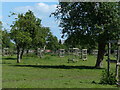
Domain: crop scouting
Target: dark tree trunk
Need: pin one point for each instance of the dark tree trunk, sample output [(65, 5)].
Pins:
[(27, 51), (36, 51), (101, 52), (18, 54), (21, 53)]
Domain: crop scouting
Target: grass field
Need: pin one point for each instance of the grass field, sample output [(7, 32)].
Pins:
[(51, 72)]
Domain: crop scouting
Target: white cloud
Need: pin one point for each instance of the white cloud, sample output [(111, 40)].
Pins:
[(41, 10), (45, 8)]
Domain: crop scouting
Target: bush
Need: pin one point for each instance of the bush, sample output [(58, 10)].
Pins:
[(108, 80)]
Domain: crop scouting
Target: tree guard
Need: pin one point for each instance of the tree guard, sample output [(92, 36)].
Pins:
[(84, 54), (117, 61), (75, 51), (73, 54), (95, 52), (80, 53), (61, 52), (5, 52), (118, 65), (115, 53), (40, 52)]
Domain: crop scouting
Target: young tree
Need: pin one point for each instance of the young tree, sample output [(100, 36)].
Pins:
[(90, 22)]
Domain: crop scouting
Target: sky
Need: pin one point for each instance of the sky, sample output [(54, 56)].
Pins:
[(41, 10)]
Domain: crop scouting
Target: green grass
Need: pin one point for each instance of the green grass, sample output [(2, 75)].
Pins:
[(51, 72)]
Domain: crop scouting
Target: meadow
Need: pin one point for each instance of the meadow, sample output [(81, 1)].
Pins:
[(52, 72)]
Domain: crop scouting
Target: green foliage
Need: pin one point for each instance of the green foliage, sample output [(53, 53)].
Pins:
[(41, 37), (85, 23), (105, 79), (6, 41), (28, 31), (21, 38), (63, 45), (52, 42), (19, 31), (89, 23)]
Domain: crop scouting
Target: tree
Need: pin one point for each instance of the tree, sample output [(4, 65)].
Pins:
[(41, 37), (5, 39), (6, 42), (38, 33), (20, 35), (22, 40), (27, 32), (62, 44), (52, 42), (39, 41), (90, 22)]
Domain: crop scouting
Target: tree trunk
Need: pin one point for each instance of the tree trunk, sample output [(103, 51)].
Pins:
[(100, 56), (36, 51), (18, 55), (27, 51), (21, 53)]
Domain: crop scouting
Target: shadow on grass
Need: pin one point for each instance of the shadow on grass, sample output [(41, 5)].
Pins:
[(9, 58), (58, 66)]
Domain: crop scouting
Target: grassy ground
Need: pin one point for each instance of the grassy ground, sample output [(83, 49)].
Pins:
[(51, 72)]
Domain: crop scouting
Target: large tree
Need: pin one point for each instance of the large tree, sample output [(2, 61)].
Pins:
[(38, 33), (22, 40), (22, 32), (27, 32), (90, 22)]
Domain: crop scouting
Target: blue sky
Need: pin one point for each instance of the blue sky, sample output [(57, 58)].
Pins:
[(41, 10)]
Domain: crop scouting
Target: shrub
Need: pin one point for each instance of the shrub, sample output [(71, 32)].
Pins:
[(105, 79)]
